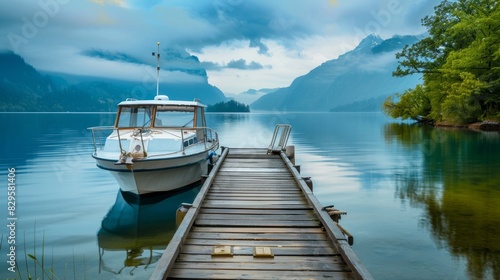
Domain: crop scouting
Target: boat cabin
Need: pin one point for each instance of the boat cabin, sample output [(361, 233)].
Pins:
[(160, 113)]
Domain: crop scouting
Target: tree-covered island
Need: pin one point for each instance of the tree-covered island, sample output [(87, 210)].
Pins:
[(460, 64), (231, 106)]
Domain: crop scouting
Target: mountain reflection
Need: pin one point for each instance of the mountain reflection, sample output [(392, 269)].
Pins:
[(135, 232), (453, 175)]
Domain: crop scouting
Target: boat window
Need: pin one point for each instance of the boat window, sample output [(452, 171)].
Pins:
[(174, 118), (135, 116)]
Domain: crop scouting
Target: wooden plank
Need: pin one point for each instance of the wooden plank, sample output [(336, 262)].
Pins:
[(251, 203), (258, 236), (242, 197), (333, 263), (251, 274), (255, 217), (243, 258), (253, 206), (255, 169), (261, 180), (256, 211), (258, 243), (255, 223), (256, 191), (248, 193), (299, 262), (247, 185), (257, 230)]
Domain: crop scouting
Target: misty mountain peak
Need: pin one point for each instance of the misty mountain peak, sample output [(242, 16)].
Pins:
[(359, 79), (369, 42)]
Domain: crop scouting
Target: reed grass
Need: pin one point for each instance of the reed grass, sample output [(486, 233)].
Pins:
[(38, 269)]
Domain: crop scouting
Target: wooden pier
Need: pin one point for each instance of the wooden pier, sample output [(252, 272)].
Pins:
[(256, 218)]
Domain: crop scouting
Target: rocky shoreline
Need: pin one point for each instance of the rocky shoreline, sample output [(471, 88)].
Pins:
[(485, 126), (478, 126)]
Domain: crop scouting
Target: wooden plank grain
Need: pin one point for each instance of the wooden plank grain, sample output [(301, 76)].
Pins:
[(269, 217), (261, 196), (251, 274), (255, 223), (259, 243), (257, 211), (309, 260), (258, 236), (329, 265), (228, 229)]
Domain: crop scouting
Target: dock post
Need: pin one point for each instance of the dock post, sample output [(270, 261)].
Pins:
[(308, 182), (290, 153), (181, 213)]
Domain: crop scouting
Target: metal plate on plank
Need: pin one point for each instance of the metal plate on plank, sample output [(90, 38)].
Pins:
[(263, 252), (222, 251)]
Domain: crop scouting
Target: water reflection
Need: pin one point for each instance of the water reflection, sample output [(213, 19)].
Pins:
[(135, 232), (455, 179)]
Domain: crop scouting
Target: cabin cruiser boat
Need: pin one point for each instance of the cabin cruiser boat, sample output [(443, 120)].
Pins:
[(156, 145)]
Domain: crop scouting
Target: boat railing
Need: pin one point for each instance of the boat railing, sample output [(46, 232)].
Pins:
[(99, 136), (211, 137), (101, 133), (208, 136)]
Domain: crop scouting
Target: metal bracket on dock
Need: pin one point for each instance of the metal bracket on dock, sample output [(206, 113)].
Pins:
[(222, 251), (263, 252), (281, 134)]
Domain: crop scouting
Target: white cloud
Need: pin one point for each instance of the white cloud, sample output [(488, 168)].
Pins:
[(287, 37)]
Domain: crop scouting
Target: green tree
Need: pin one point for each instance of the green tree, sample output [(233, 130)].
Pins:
[(460, 63), (229, 106)]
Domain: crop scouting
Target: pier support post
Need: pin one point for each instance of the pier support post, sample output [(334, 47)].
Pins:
[(308, 182), (181, 213), (290, 153)]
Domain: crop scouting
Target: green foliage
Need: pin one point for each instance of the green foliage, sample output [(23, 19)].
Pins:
[(460, 62), (229, 106), (412, 104)]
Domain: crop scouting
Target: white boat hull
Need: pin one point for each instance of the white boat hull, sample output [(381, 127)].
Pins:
[(158, 175), (156, 145)]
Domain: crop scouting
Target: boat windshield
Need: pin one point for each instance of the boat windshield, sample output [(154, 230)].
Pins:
[(174, 116), (134, 116)]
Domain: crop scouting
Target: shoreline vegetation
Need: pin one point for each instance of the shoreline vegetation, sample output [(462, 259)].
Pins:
[(230, 106), (460, 65)]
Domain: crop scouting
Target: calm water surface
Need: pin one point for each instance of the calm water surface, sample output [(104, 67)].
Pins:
[(422, 202)]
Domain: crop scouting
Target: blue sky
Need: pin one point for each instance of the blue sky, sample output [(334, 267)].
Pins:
[(242, 43)]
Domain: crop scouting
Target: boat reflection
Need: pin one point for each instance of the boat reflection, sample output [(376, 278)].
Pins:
[(136, 231)]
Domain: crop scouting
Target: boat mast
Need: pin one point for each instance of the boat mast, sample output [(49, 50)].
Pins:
[(157, 69)]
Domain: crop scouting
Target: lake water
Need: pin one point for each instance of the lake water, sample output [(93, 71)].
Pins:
[(422, 202)]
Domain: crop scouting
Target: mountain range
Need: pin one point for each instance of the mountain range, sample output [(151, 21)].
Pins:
[(358, 80), (24, 89)]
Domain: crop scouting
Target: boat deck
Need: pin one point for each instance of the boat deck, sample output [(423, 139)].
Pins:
[(255, 218)]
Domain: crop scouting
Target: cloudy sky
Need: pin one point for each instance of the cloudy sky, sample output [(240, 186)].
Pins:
[(242, 43)]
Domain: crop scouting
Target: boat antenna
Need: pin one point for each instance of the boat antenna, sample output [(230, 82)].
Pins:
[(157, 69)]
